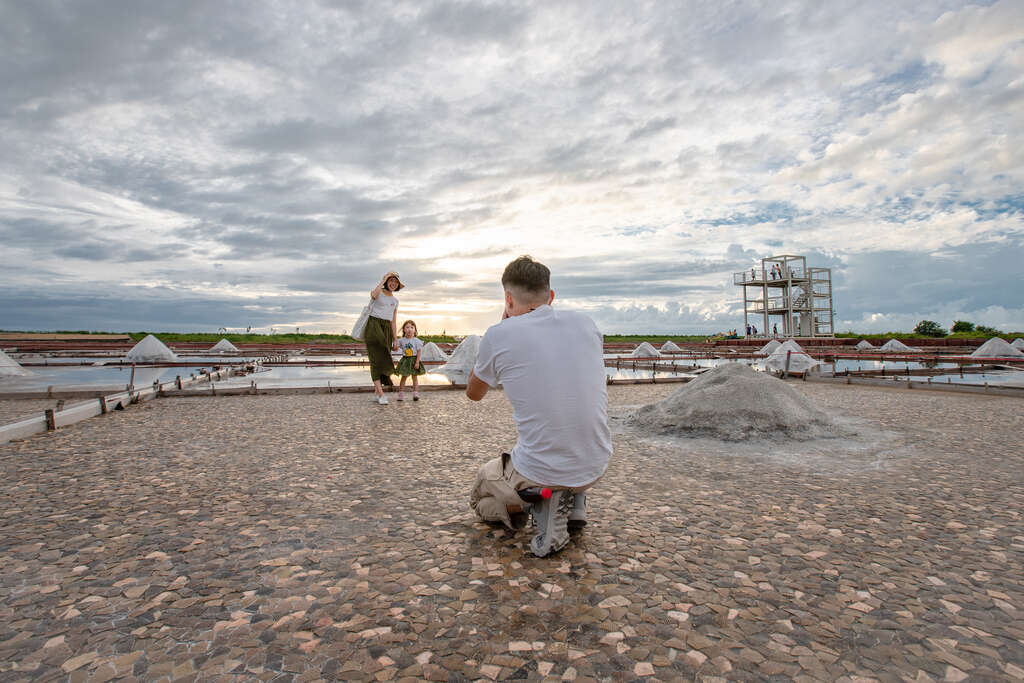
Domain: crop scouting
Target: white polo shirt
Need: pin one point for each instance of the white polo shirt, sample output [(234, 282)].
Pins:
[(551, 364)]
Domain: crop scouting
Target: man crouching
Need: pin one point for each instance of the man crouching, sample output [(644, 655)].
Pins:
[(551, 365)]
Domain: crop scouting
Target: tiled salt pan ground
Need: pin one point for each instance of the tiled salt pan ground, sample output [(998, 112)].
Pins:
[(324, 537), (13, 410)]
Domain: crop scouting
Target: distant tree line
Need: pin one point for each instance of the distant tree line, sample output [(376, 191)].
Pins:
[(961, 328)]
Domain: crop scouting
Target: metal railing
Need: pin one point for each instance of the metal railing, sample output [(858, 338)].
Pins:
[(745, 276)]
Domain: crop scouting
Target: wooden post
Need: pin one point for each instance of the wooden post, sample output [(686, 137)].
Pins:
[(51, 422), (177, 380), (785, 372), (103, 405)]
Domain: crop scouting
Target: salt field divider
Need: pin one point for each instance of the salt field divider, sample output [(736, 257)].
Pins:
[(985, 389), (52, 419), (255, 390)]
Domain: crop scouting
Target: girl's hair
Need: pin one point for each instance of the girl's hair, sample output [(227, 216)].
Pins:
[(415, 330)]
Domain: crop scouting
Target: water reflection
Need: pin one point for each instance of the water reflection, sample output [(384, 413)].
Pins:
[(90, 377)]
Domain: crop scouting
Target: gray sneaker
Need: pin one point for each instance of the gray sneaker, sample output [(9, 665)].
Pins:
[(551, 517), (578, 514)]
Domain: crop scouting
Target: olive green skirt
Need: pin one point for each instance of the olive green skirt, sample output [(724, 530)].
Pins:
[(406, 367), (379, 338)]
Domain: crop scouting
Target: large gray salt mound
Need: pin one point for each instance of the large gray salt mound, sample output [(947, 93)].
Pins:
[(10, 367), (997, 348), (462, 360), (432, 352), (151, 350), (734, 403)]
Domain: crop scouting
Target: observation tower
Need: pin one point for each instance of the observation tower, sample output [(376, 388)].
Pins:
[(783, 293)]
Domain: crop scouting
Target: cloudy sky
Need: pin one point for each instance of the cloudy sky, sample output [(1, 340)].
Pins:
[(197, 165)]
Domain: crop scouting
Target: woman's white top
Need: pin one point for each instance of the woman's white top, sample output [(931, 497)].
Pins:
[(384, 306)]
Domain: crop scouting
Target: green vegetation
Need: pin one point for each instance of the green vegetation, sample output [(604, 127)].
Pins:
[(242, 338), (652, 338), (292, 338), (963, 329), (930, 328)]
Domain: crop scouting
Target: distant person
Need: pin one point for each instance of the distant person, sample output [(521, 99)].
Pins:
[(775, 329), (748, 330), (753, 330), (752, 277), (380, 333), (410, 346), (551, 365)]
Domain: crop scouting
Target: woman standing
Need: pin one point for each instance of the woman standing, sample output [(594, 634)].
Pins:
[(380, 333)]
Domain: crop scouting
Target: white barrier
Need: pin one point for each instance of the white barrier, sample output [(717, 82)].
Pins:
[(76, 412)]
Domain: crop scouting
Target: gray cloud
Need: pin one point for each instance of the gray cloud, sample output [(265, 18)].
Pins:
[(307, 148), (127, 310)]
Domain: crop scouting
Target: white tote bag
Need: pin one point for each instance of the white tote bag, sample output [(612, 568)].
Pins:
[(359, 329)]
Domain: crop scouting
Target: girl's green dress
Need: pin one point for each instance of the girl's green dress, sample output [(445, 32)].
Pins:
[(405, 365)]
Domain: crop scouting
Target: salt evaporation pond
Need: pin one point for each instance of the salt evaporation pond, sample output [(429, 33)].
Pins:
[(318, 376), (303, 376), (89, 377), (1008, 378), (842, 365)]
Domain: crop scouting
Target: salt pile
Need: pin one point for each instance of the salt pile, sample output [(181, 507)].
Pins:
[(798, 360), (670, 347), (1018, 343), (864, 345), (645, 350), (790, 345), (150, 350), (224, 346), (733, 402), (462, 360), (10, 367), (769, 348), (997, 348), (432, 352), (896, 346)]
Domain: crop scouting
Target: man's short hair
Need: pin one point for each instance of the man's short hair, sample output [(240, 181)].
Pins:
[(527, 277)]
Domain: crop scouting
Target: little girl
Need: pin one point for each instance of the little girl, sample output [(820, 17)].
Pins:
[(411, 347)]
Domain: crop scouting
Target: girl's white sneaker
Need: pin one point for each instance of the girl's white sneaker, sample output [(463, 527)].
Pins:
[(383, 400)]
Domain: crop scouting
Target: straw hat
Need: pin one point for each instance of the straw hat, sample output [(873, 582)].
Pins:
[(392, 274)]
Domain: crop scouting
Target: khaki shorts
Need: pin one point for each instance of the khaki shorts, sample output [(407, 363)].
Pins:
[(495, 489)]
